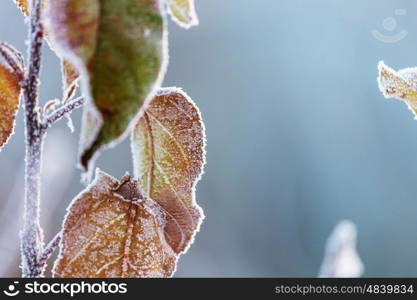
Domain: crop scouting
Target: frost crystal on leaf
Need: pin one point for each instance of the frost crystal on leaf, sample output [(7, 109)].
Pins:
[(168, 153), (111, 230), (341, 258)]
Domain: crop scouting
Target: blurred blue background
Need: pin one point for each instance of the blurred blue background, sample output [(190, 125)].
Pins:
[(299, 137)]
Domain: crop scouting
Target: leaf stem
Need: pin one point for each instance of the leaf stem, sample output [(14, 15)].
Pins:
[(31, 234), (62, 112)]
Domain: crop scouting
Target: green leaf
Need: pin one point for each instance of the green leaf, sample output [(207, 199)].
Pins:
[(119, 47), (168, 153)]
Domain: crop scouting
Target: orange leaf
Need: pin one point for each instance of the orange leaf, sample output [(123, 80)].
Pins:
[(168, 151), (23, 5), (111, 230), (9, 102)]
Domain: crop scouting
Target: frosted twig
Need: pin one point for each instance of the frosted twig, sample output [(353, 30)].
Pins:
[(62, 112), (341, 258), (47, 251), (13, 58), (31, 234)]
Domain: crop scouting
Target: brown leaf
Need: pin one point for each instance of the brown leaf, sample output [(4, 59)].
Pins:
[(9, 102), (168, 152), (111, 230)]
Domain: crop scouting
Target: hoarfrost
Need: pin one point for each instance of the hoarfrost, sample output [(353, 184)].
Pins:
[(111, 232), (401, 85), (168, 151)]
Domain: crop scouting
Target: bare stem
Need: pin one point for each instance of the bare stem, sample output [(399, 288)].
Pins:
[(31, 235), (62, 112), (47, 252), (34, 255)]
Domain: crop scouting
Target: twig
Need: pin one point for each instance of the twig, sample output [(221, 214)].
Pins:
[(14, 61), (47, 252), (62, 112), (31, 235), (34, 256), (18, 55)]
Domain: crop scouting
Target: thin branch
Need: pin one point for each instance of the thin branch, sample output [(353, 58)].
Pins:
[(13, 58), (48, 250), (62, 112), (18, 55)]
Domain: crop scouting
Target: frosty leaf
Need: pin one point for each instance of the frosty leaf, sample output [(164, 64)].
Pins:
[(183, 12), (168, 153), (23, 5), (401, 85), (111, 230), (119, 48), (341, 259), (9, 102)]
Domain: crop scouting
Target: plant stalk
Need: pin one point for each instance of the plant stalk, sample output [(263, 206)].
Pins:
[(31, 235)]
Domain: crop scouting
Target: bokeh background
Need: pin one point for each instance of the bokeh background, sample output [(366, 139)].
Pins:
[(299, 137)]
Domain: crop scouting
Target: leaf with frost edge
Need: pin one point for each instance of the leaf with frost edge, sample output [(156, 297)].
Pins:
[(390, 87), (91, 150), (103, 177), (193, 203)]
